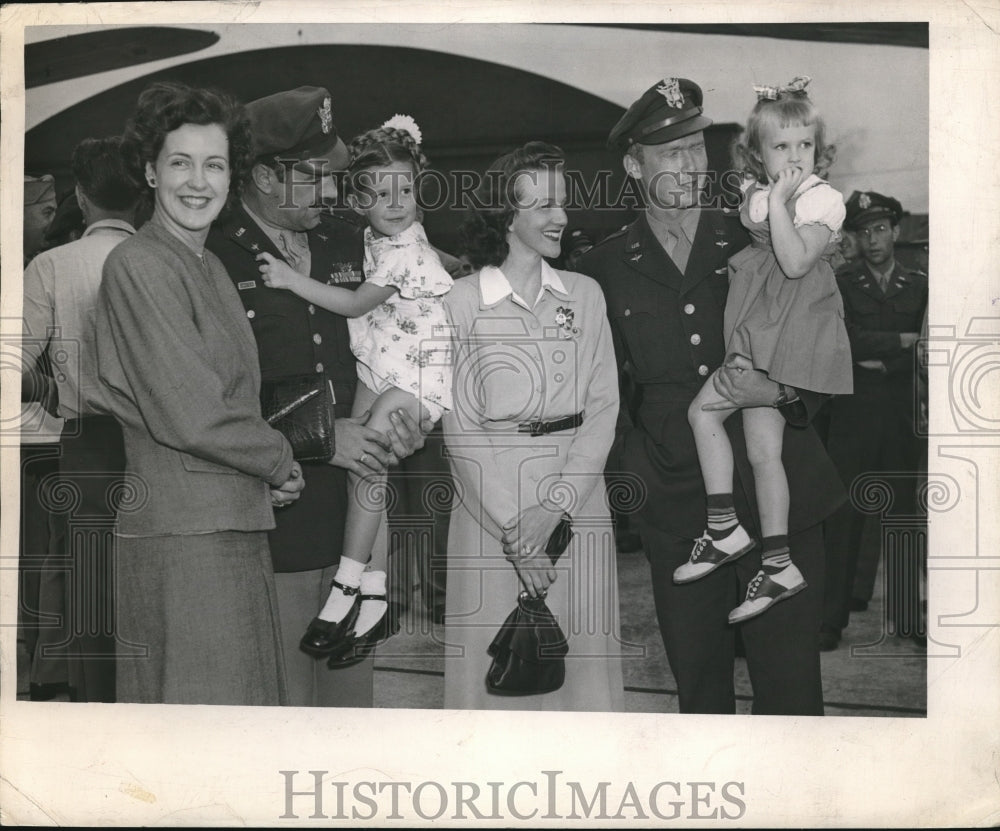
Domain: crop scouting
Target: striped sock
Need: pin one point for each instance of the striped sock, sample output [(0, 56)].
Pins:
[(776, 554), (721, 515)]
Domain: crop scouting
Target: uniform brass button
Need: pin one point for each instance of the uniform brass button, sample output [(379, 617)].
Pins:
[(312, 309), (703, 370), (558, 377), (251, 313), (689, 309), (317, 338), (696, 339), (628, 312), (319, 367)]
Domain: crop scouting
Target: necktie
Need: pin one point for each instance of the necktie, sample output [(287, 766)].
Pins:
[(680, 246), (292, 249)]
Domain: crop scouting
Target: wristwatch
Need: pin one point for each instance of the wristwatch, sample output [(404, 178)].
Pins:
[(786, 395)]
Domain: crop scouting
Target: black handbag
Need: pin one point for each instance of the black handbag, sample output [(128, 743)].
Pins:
[(559, 539), (301, 408), (528, 652)]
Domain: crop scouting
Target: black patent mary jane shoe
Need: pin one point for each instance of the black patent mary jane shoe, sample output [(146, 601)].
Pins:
[(326, 638)]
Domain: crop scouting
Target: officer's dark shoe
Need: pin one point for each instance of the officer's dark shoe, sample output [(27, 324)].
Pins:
[(628, 542), (48, 692), (829, 639)]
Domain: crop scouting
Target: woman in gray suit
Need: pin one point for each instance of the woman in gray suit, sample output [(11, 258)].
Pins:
[(195, 584)]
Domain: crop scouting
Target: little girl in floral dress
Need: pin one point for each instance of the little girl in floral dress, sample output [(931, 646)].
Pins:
[(399, 334)]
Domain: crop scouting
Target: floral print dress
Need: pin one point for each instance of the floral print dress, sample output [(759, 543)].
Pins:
[(405, 341)]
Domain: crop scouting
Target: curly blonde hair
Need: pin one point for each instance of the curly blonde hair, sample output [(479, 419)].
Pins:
[(790, 107)]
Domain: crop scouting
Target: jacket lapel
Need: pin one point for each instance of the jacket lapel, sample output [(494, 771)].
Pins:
[(711, 245), (866, 283), (644, 254), (897, 281)]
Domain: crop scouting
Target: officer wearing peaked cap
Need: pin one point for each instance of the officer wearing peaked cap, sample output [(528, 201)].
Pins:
[(665, 278), (298, 156), (873, 429)]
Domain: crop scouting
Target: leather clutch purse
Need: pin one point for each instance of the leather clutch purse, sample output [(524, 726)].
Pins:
[(301, 407), (559, 539), (528, 652)]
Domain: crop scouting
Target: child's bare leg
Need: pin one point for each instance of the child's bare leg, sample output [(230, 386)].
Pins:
[(779, 577), (365, 513), (341, 606), (764, 428), (366, 509), (726, 539), (715, 453)]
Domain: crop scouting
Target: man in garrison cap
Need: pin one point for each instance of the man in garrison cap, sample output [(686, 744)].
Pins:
[(298, 157), (665, 278), (39, 208), (872, 432)]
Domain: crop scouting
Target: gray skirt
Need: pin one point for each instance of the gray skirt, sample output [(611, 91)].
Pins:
[(199, 612)]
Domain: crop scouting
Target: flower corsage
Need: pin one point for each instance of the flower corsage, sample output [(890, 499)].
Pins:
[(564, 320)]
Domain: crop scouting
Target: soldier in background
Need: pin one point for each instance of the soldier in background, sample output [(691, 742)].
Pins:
[(873, 430)]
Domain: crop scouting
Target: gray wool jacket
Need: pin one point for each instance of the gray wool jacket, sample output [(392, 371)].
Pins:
[(179, 363)]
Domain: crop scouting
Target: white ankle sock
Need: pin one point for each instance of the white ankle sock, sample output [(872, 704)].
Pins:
[(338, 604), (372, 611)]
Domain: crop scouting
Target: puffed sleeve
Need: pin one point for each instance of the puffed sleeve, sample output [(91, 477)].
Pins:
[(756, 198), (472, 454), (821, 205), (414, 270)]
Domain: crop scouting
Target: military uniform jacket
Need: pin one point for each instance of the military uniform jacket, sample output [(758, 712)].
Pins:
[(668, 327), (874, 320), (294, 338)]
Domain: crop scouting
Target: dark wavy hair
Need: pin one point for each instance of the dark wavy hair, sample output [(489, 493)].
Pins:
[(380, 148), (790, 107), (165, 106), (100, 171), (494, 203)]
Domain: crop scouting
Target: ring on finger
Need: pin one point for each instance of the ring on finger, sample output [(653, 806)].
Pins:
[(363, 457)]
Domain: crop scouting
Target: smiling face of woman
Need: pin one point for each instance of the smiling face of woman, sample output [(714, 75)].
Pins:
[(541, 216), (191, 177)]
